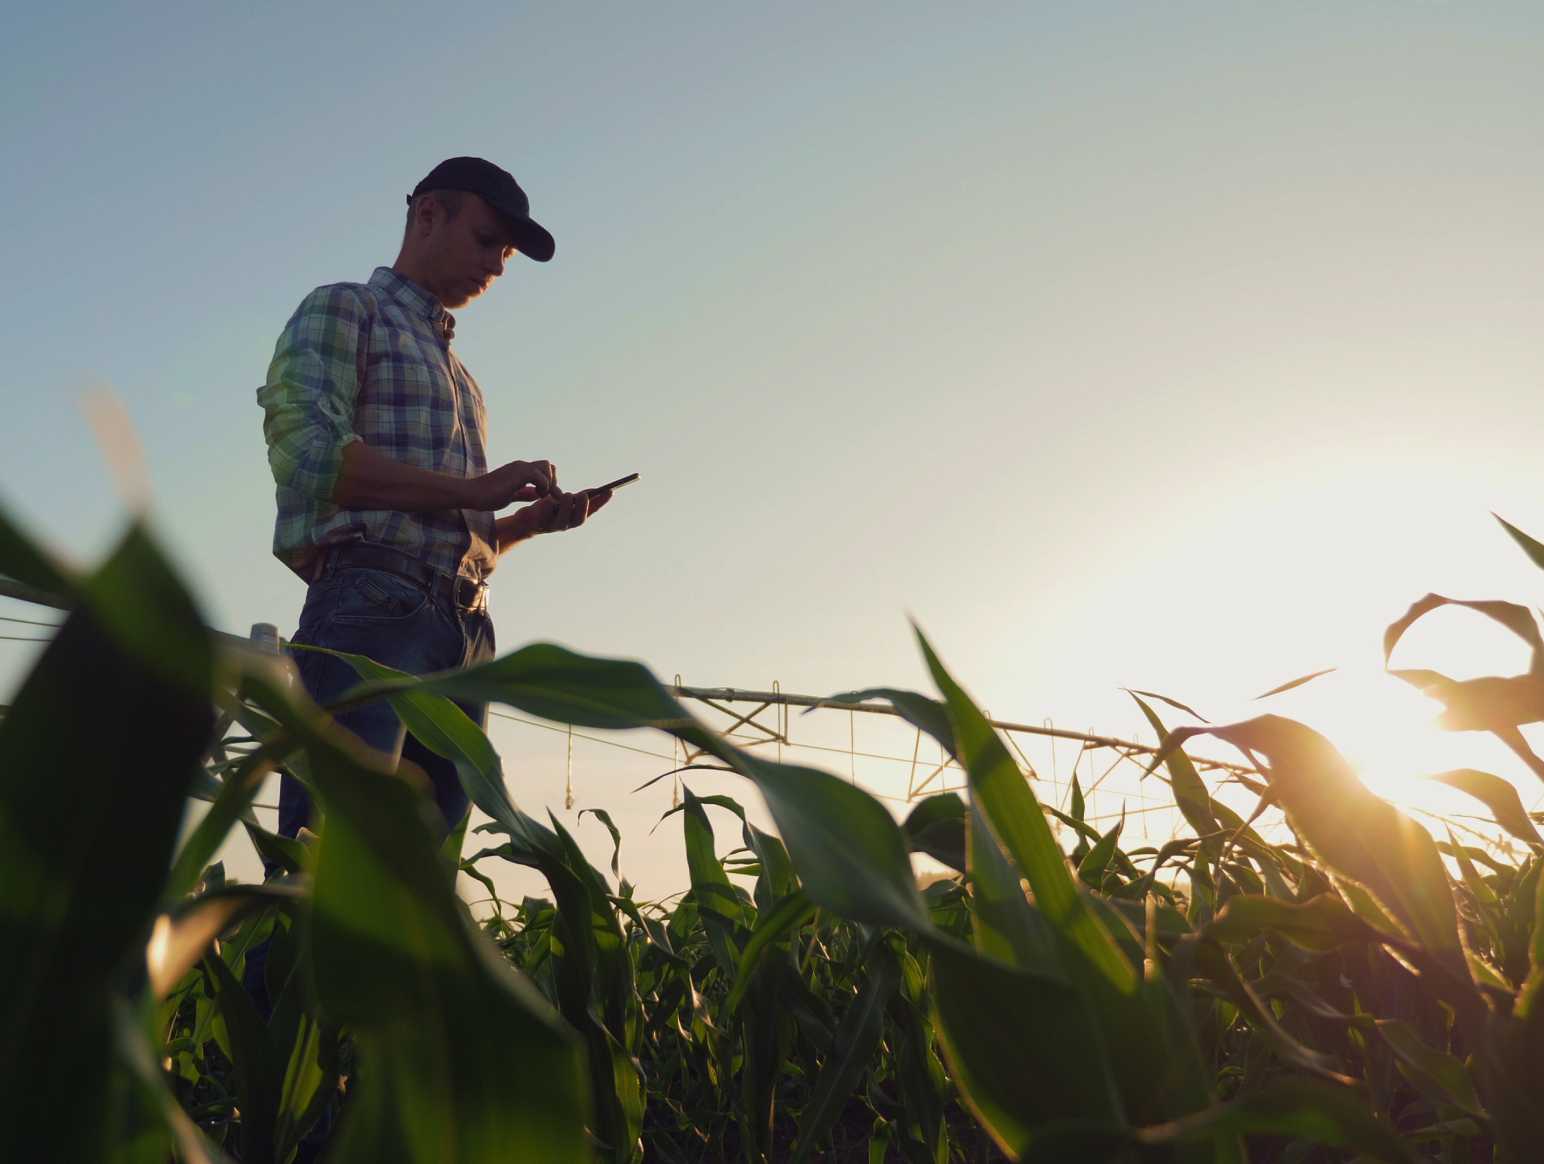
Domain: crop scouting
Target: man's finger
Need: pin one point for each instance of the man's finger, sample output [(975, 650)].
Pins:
[(539, 477)]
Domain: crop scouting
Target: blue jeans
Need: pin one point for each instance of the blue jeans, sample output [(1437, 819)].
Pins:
[(397, 622)]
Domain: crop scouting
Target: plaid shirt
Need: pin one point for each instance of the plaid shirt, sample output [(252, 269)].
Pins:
[(372, 362)]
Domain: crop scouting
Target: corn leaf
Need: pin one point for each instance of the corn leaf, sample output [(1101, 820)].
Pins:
[(433, 1005), (857, 1038), (1498, 795), (1129, 1017), (1533, 549), (96, 756), (1354, 832)]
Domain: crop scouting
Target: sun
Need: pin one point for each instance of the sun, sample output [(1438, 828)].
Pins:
[(1388, 732)]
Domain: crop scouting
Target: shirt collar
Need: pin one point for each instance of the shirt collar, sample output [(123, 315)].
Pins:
[(415, 299)]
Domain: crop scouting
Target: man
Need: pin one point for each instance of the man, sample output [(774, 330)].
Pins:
[(375, 434)]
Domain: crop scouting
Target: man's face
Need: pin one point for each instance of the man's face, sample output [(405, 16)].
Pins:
[(468, 252)]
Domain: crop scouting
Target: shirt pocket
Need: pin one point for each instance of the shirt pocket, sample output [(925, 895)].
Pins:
[(407, 412)]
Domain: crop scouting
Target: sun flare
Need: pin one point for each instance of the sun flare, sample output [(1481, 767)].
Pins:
[(1388, 732)]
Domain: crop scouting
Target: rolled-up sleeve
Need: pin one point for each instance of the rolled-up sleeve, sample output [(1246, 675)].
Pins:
[(313, 384)]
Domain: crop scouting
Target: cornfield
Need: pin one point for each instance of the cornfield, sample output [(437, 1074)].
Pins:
[(1361, 990)]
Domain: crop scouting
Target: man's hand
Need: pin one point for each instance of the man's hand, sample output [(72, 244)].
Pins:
[(516, 481), (552, 514), (563, 511)]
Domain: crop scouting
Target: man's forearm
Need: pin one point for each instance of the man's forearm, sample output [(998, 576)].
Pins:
[(369, 479)]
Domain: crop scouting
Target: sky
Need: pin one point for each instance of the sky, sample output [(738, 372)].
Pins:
[(1174, 347)]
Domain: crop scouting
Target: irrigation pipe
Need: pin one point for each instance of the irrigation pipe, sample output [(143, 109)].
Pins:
[(264, 639)]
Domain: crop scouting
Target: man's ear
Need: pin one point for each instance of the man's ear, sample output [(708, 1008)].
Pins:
[(427, 213)]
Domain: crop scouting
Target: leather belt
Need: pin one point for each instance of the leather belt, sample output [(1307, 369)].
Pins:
[(465, 593)]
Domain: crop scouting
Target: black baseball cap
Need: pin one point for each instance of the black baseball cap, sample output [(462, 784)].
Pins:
[(500, 191)]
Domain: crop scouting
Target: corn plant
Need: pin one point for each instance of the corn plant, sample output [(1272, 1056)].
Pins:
[(1363, 989)]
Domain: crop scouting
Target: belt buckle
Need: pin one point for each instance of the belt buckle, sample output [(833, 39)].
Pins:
[(472, 591)]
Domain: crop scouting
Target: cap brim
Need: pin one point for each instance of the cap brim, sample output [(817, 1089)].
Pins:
[(530, 237)]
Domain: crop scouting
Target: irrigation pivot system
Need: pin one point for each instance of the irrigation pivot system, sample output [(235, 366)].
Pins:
[(893, 761)]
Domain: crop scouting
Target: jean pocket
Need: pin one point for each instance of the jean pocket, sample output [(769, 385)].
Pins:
[(375, 596)]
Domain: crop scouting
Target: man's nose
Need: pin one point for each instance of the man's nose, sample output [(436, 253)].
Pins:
[(497, 268)]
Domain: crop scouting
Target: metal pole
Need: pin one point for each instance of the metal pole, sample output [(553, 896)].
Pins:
[(10, 588), (1088, 740)]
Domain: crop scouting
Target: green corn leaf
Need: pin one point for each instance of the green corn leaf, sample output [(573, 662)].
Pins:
[(772, 925), (258, 1072), (1010, 808), (1020, 1047), (1213, 962), (1195, 803), (1096, 861), (1303, 1109), (434, 1006), (1323, 923), (1354, 832), (1306, 1111), (178, 940), (1484, 897), (285, 853), (722, 801), (918, 1072), (1088, 834), (721, 909), (1441, 1077), (1536, 944), (597, 993), (231, 804), (936, 826), (604, 817), (1114, 1001), (1003, 924), (857, 1039), (427, 709), (147, 1093), (595, 963), (880, 1136), (555, 683), (309, 1081), (1529, 1007), (916, 709), (1498, 795), (776, 879), (1510, 1060), (96, 757), (851, 857)]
